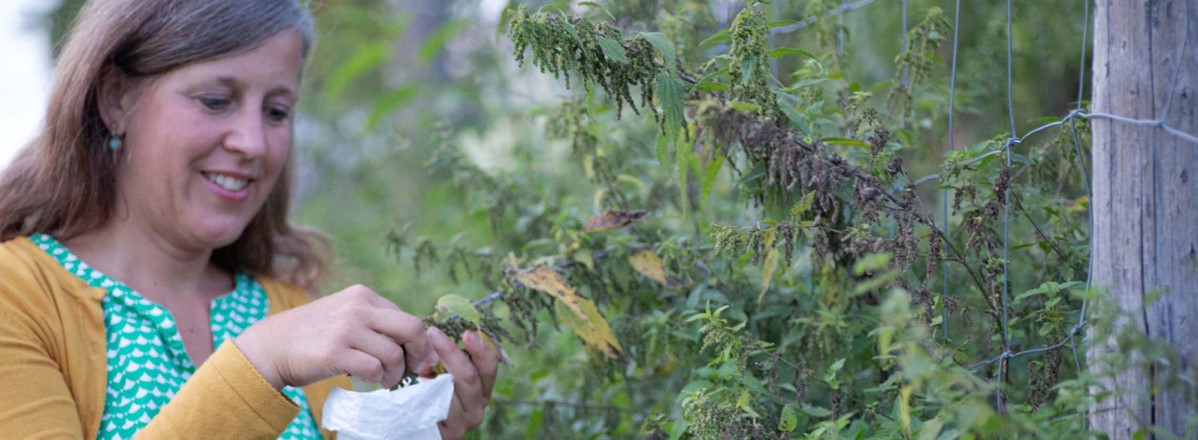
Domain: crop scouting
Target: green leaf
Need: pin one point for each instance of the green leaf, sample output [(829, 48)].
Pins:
[(807, 83), (711, 86), (815, 411), (782, 51), (436, 42), (790, 418), (662, 43), (746, 70), (845, 142), (363, 61), (709, 176), (569, 27), (454, 305), (804, 205), (663, 148), (782, 23), (671, 92), (559, 5), (683, 153), (871, 262), (613, 50), (742, 106), (931, 429), (718, 37), (390, 102), (599, 7)]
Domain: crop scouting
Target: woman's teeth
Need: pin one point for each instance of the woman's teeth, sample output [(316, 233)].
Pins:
[(229, 183)]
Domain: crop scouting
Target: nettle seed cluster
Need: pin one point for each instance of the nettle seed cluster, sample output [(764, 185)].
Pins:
[(594, 53)]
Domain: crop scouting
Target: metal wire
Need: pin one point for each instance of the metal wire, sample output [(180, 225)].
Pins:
[(944, 194), (1006, 220), (840, 28), (844, 7), (1160, 123), (952, 146)]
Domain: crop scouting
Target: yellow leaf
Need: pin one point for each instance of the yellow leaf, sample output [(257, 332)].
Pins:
[(767, 272), (547, 280), (767, 238), (614, 219), (593, 329), (905, 409), (495, 348), (1079, 205), (649, 264), (585, 319)]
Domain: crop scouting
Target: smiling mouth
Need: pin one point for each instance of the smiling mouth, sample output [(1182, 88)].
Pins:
[(228, 183)]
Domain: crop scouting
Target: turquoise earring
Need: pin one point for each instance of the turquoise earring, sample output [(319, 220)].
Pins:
[(114, 143)]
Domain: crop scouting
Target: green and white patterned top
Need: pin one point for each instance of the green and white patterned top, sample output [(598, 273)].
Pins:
[(147, 363)]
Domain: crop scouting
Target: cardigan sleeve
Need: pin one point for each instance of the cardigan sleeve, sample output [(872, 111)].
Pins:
[(35, 401), (226, 398)]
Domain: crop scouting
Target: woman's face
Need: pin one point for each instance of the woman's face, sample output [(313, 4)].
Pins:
[(204, 144)]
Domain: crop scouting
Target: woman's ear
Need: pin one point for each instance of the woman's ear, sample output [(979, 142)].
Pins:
[(115, 98)]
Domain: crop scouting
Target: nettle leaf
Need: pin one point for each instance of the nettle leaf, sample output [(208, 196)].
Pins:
[(390, 102), (672, 92), (742, 106), (846, 142), (709, 175), (767, 273), (662, 43), (816, 411), (613, 50), (614, 219), (648, 263), (718, 37), (569, 27), (871, 262), (436, 42), (790, 418), (590, 327), (783, 51), (581, 313), (746, 70), (454, 305), (366, 59), (599, 7)]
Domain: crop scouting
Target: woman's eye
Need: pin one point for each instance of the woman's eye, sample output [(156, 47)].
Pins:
[(278, 114), (214, 103)]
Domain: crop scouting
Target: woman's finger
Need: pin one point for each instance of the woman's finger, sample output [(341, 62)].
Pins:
[(467, 385), (361, 365), (404, 329), (486, 362), (453, 427), (389, 353)]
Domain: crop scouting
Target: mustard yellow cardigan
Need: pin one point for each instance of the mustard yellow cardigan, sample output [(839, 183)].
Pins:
[(53, 369)]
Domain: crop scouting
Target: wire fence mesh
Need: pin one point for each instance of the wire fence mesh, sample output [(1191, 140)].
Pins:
[(1068, 121)]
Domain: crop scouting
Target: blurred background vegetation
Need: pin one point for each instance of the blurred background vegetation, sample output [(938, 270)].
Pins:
[(393, 82), (426, 154)]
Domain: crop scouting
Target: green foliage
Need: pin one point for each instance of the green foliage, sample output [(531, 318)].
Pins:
[(759, 249)]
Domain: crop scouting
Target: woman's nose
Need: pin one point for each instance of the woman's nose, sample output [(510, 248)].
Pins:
[(248, 134)]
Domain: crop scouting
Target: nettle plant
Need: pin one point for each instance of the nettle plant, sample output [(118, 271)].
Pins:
[(749, 257)]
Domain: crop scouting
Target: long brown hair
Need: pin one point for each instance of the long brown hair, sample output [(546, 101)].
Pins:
[(64, 182)]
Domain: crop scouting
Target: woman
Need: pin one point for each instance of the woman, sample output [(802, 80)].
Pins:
[(149, 280)]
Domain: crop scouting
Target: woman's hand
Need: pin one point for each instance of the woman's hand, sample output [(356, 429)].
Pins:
[(354, 331), (473, 377)]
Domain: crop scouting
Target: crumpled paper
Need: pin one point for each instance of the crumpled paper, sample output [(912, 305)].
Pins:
[(411, 412)]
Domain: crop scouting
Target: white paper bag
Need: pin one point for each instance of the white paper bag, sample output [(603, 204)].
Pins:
[(411, 412)]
